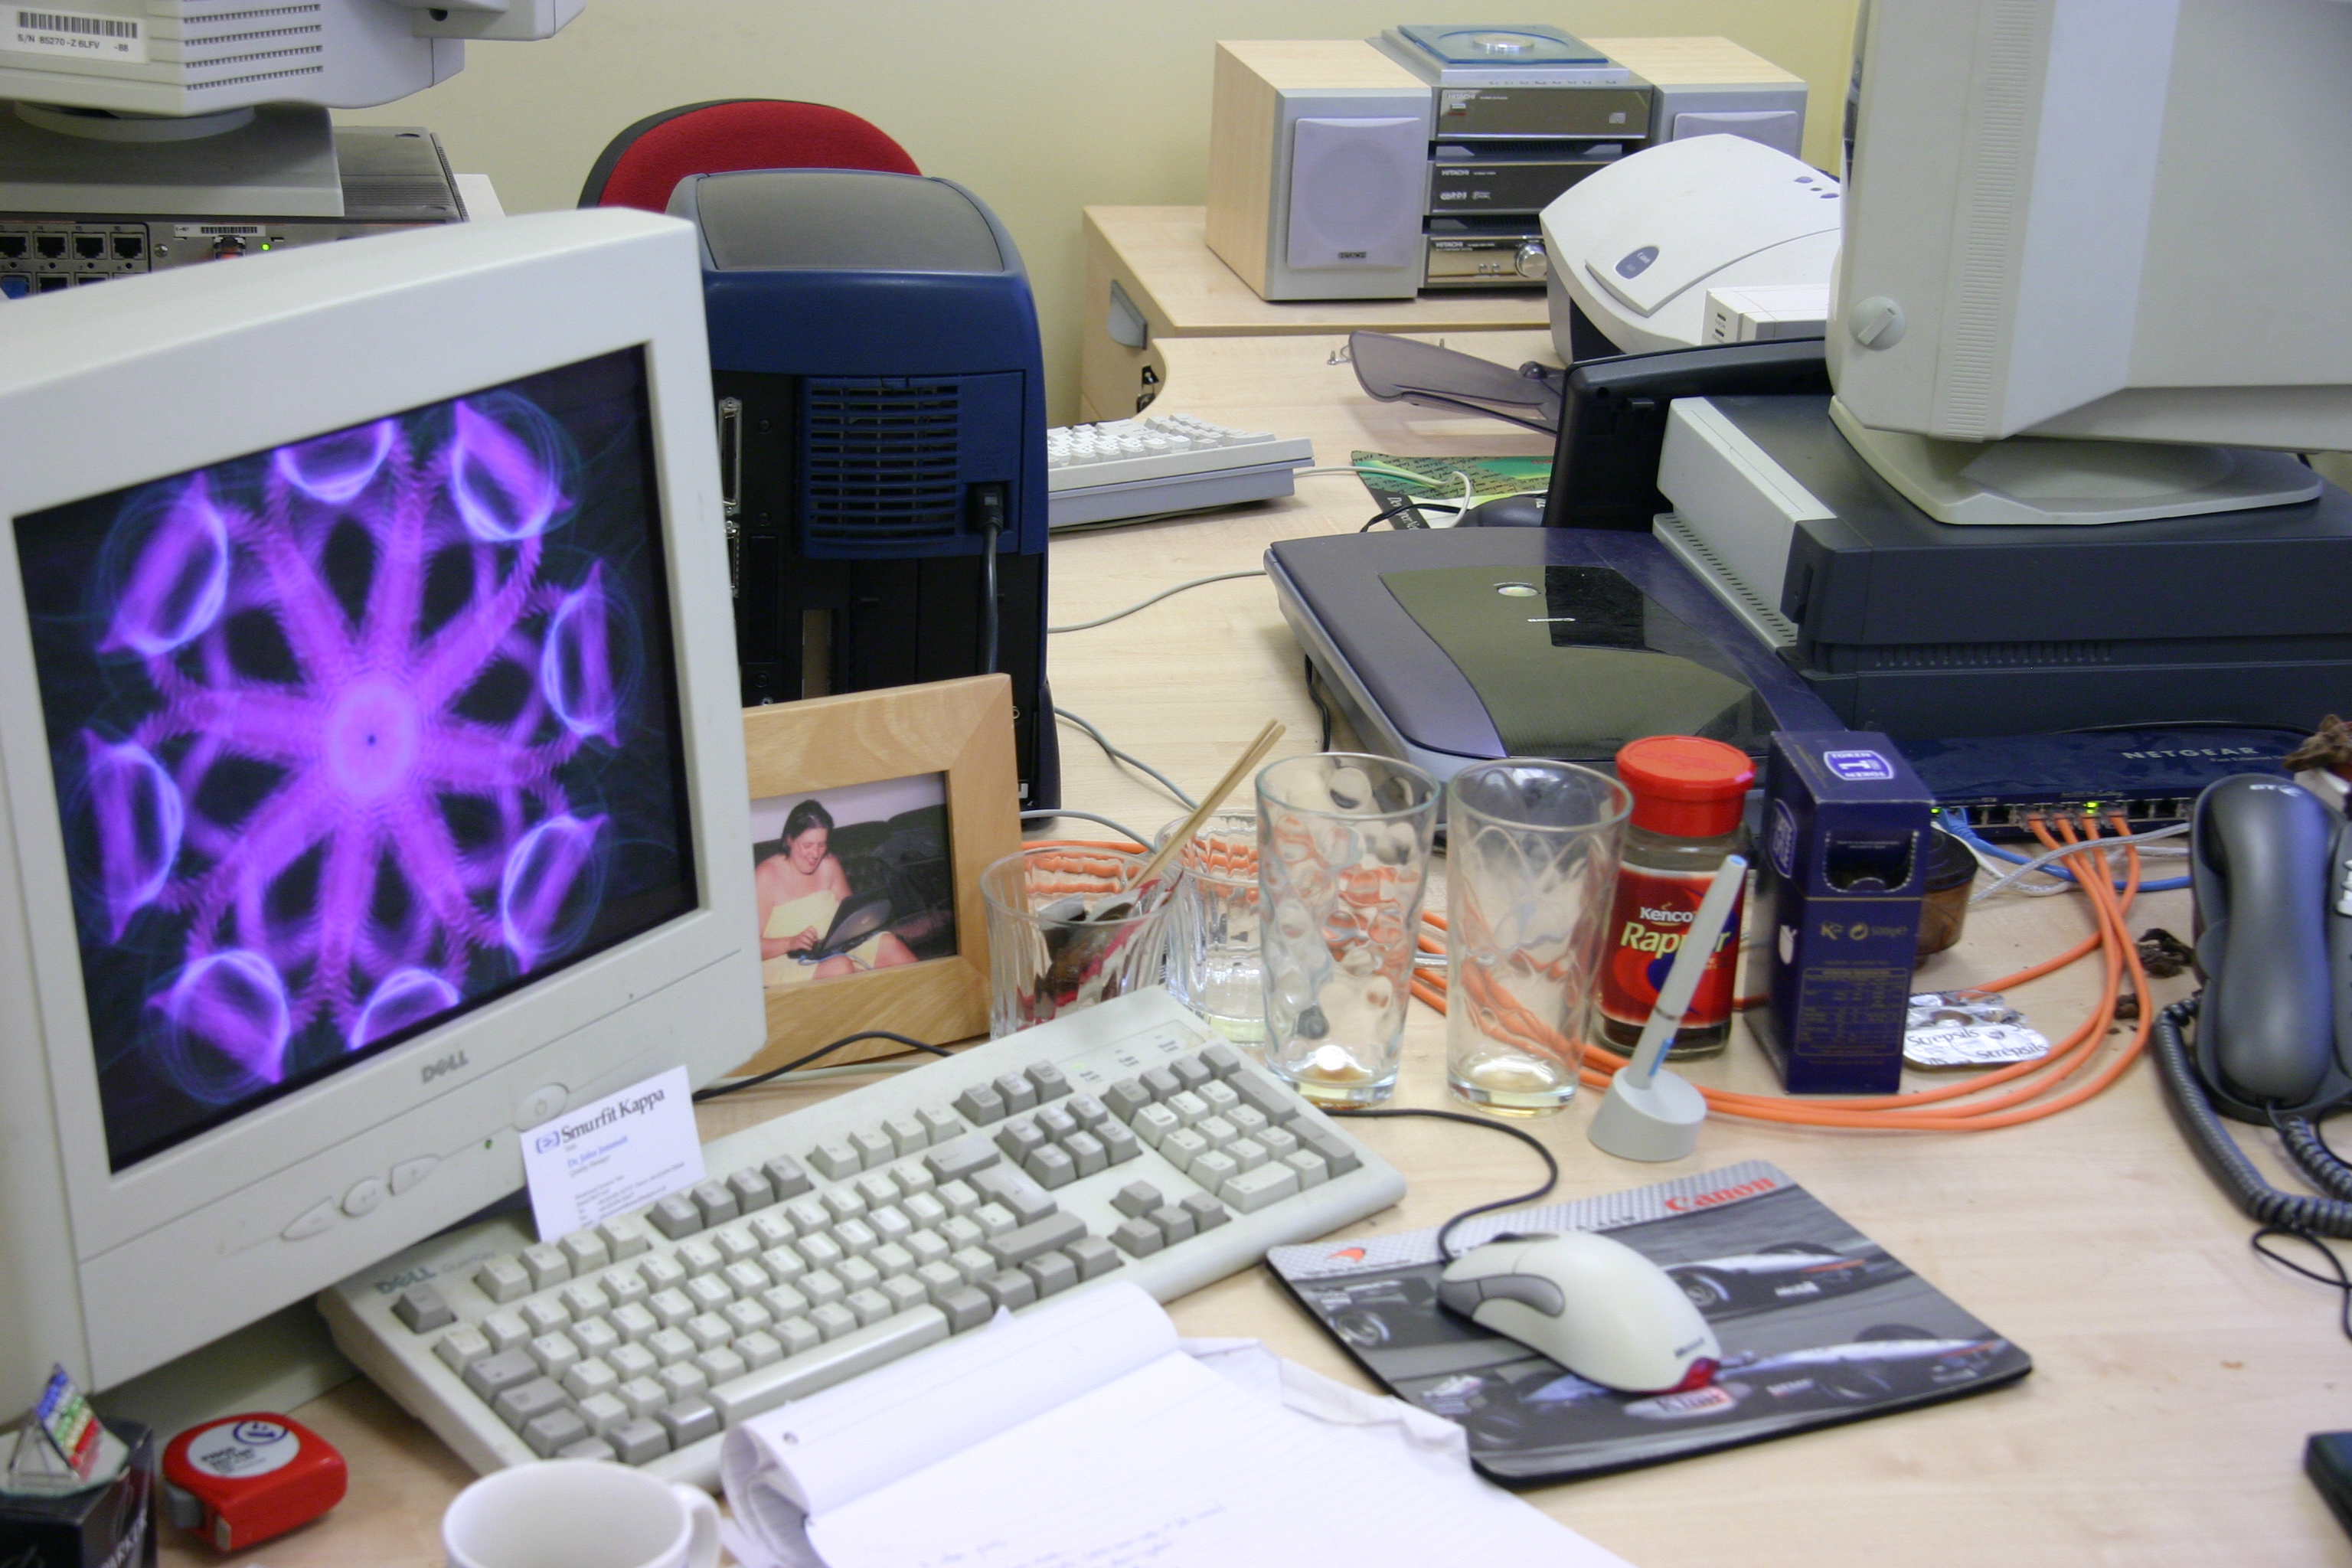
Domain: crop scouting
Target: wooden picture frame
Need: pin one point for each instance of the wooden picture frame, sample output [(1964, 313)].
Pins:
[(961, 729)]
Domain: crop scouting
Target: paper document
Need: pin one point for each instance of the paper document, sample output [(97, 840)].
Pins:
[(624, 1151), (1081, 1434)]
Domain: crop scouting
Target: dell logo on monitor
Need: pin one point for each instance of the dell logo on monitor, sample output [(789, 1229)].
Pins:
[(447, 1064)]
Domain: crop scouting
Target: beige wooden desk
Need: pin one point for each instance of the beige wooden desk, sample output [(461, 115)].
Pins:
[(2176, 1377), (1163, 265)]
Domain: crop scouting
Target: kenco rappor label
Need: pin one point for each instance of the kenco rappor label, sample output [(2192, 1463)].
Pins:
[(1654, 909), (84, 34), (239, 1450)]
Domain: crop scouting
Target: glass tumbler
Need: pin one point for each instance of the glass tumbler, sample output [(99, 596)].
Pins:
[(1531, 853), (1061, 935), (1213, 926), (1344, 844)]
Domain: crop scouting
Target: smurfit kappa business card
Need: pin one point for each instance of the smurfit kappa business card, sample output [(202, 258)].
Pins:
[(625, 1151)]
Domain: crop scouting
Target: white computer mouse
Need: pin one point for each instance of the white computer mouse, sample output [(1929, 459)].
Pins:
[(1594, 1305)]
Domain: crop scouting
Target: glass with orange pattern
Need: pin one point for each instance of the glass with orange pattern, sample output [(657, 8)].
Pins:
[(1344, 844)]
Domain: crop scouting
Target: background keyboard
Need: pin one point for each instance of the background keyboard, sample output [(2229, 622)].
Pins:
[(1125, 1142), (1124, 469)]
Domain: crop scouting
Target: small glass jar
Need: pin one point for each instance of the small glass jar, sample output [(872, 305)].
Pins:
[(1943, 906), (1688, 797)]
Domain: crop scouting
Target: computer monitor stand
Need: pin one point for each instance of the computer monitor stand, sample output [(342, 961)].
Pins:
[(284, 1360), (2038, 481), (275, 160)]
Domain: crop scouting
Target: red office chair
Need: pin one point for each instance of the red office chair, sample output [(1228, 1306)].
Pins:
[(642, 164)]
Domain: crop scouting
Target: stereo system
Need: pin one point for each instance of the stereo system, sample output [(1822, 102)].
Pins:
[(1347, 169)]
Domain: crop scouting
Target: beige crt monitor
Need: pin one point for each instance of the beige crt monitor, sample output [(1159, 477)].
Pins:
[(372, 778)]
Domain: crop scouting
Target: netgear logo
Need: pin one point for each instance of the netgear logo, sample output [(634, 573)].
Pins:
[(2194, 751)]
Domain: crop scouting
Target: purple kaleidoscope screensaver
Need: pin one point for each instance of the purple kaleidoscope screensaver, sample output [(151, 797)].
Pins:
[(356, 734)]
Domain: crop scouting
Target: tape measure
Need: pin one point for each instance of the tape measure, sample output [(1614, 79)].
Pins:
[(244, 1479)]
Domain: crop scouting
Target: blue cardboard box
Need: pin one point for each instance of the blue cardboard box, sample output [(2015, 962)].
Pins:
[(1837, 899)]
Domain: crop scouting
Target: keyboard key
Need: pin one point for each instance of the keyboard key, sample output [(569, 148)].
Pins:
[(625, 1237), (1054, 1272), (1191, 1071), (643, 1396), (902, 1291), (554, 1430), (1190, 1107), (842, 1358), (879, 1188), (1214, 1169), (1221, 1060), (699, 1257), (913, 1179), (589, 1448), (1323, 1140), (752, 1188), (974, 1263), (1137, 1199), (798, 1336), (1011, 1290), (689, 1420), (938, 1125), (461, 1347), (633, 1321), (548, 1268), (708, 1330), (506, 1331), (868, 1304), (760, 1349), (1138, 1237), (623, 1285), (717, 1204), (1015, 1247), (1220, 1098), (670, 1308), (1120, 1145), (954, 1160), (924, 1210), (671, 1346), (856, 1237), (1175, 1223), (737, 1243), (1048, 1081), (836, 1158), (784, 1264), (602, 1411), (1207, 1212), (587, 1379), (1278, 1141), (681, 1380), (503, 1279), (1276, 1106), (1253, 1189), (1126, 1098), (857, 1273), (808, 1215), (527, 1402), (1055, 1122), (822, 1251), (967, 1309), (582, 1299), (493, 1375), (543, 1315), (1312, 1171), (1088, 1153), (1182, 1147), (638, 1441), (596, 1337), (960, 1230), (1155, 1124), (1051, 1167), (1161, 1084), (890, 1224), (743, 1281), (676, 1216), (1021, 1139), (926, 1246), (822, 1286), (555, 1353), (1017, 1092), (630, 1361), (1246, 1152), (585, 1251), (908, 1134), (1017, 1192), (981, 1104), (1089, 1112), (661, 1272), (719, 1364), (940, 1280), (423, 1309), (873, 1147), (891, 1258), (785, 1176), (833, 1320), (1217, 1130), (772, 1230), (843, 1203), (959, 1196), (993, 1219)]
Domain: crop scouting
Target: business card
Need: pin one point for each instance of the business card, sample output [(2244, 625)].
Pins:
[(624, 1151)]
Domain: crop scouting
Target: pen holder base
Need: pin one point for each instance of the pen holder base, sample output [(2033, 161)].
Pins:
[(1656, 1122)]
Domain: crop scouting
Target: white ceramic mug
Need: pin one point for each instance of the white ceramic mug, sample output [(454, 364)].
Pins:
[(579, 1513)]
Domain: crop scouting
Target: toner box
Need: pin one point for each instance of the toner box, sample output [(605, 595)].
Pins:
[(1837, 898)]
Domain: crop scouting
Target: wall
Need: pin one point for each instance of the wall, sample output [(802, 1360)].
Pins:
[(1041, 106)]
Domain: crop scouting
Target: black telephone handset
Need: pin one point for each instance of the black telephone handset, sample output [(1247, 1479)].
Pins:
[(2270, 865)]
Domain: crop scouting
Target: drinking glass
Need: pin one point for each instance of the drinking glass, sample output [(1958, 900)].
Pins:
[(1343, 860), (1213, 926), (1062, 936), (1531, 853)]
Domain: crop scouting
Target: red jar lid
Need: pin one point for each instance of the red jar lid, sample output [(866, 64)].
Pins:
[(1686, 786)]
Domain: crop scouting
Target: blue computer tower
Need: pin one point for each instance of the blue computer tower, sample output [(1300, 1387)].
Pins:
[(881, 408)]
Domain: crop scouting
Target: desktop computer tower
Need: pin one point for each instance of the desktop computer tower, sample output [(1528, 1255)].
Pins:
[(880, 402)]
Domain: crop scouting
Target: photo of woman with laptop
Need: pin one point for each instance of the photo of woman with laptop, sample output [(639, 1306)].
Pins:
[(852, 879)]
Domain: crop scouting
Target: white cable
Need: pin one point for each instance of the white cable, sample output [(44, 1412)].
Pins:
[(1103, 740), (2035, 864), (1146, 604), (1117, 828)]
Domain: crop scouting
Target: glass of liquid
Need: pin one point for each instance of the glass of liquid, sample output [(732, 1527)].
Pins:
[(1531, 858), (1213, 926)]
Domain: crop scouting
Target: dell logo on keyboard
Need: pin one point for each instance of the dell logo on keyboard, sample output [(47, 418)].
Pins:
[(447, 1064)]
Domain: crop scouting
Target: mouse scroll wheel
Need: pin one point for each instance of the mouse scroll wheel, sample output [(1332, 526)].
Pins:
[(1527, 1288)]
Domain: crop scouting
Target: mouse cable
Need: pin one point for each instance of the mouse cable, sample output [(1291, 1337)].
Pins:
[(1146, 604), (1552, 1166), (1047, 812), (1171, 785), (1400, 508), (1314, 694), (987, 629), (2336, 1278), (715, 1090)]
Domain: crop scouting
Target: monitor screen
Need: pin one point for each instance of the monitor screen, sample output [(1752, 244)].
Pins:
[(355, 735)]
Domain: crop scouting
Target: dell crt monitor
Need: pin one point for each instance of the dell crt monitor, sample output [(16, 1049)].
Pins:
[(370, 766), (2092, 256)]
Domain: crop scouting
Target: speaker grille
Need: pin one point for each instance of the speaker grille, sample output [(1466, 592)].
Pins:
[(880, 462)]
